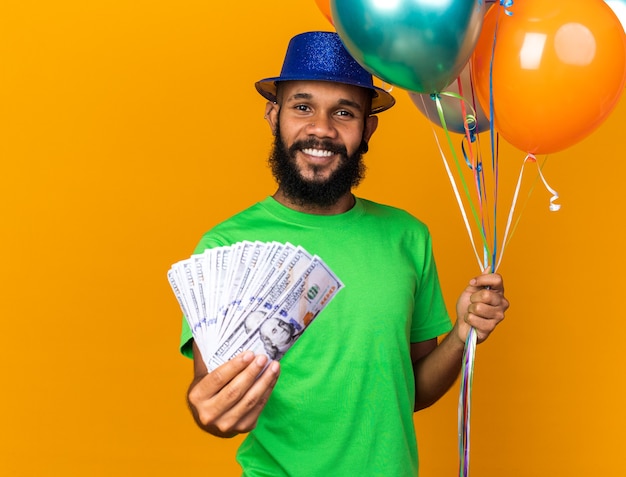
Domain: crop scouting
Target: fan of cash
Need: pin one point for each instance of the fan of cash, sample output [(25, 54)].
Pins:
[(257, 296)]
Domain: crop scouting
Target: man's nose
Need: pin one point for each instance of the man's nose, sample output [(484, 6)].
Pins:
[(322, 126)]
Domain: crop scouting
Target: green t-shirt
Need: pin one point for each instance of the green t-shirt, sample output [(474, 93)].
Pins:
[(343, 405)]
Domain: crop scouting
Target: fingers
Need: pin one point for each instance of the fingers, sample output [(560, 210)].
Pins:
[(249, 391), (488, 280), (487, 304), (239, 373), (229, 400), (251, 406)]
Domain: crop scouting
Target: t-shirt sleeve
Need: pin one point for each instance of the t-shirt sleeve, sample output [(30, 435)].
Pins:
[(430, 317)]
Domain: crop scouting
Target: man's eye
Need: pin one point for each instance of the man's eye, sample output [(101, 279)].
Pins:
[(301, 107), (345, 113)]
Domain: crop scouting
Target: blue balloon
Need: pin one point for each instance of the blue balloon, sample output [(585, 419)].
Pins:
[(418, 45)]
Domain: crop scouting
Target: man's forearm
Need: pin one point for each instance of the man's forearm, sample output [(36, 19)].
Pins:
[(436, 372)]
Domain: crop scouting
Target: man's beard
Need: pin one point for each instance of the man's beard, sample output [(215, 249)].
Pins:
[(320, 193)]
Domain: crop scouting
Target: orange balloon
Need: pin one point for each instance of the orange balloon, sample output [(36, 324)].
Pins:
[(559, 69), (324, 6)]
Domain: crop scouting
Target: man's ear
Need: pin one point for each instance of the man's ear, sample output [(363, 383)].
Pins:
[(371, 123), (271, 115)]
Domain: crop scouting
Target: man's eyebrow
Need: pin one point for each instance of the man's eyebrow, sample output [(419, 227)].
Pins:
[(342, 102), (347, 102), (302, 96)]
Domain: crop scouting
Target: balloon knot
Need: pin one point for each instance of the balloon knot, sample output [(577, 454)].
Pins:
[(470, 127), (506, 4)]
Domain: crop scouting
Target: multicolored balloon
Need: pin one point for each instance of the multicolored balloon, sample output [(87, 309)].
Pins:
[(558, 70), (457, 113), (418, 45)]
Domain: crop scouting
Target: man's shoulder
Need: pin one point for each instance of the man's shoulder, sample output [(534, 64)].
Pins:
[(226, 232), (244, 214), (391, 212)]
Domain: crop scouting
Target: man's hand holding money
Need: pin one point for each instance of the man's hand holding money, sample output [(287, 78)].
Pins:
[(229, 400)]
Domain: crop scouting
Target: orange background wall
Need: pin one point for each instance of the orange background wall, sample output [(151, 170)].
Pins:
[(129, 128)]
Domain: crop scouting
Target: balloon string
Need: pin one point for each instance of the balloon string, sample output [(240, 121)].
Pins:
[(453, 184), (553, 206), (479, 176), (442, 120), (476, 164), (467, 372), (494, 138), (471, 136), (457, 196), (519, 216), (470, 133), (465, 402)]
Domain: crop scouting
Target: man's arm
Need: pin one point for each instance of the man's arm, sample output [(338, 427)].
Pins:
[(482, 306), (229, 400)]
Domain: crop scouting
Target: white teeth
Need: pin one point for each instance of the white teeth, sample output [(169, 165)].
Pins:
[(317, 152)]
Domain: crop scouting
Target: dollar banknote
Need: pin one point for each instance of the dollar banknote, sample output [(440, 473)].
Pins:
[(258, 296)]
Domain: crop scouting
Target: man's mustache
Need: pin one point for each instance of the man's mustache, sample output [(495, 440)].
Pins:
[(317, 144)]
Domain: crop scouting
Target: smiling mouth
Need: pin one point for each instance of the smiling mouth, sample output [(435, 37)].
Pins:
[(318, 152)]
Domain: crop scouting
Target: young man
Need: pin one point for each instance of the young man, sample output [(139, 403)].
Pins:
[(348, 387)]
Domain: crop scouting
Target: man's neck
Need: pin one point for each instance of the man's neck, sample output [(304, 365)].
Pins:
[(344, 204)]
